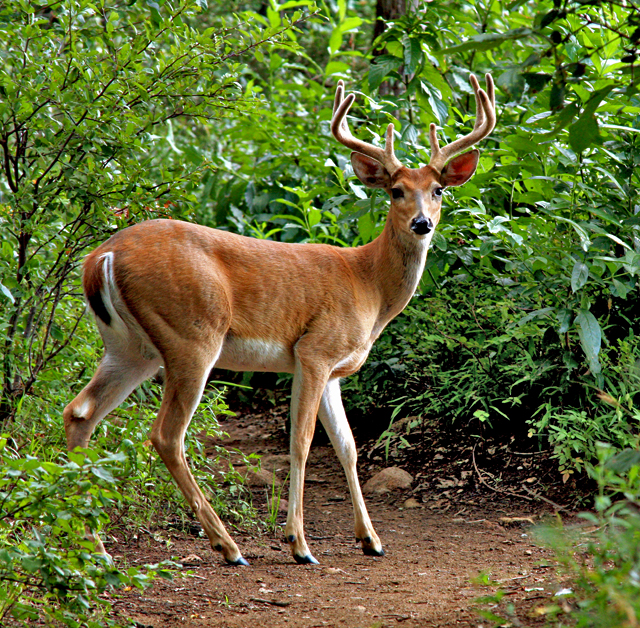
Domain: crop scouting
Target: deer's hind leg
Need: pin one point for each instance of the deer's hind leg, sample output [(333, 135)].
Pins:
[(333, 418), (122, 369), (187, 368)]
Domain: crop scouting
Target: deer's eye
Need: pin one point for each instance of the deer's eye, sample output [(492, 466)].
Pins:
[(438, 192), (397, 193)]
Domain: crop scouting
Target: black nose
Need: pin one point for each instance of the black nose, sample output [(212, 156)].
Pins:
[(421, 225)]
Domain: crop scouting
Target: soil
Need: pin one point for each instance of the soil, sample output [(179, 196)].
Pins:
[(458, 539)]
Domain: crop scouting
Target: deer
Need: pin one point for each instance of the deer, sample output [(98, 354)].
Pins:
[(186, 297)]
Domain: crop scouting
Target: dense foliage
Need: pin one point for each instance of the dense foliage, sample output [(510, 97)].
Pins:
[(525, 319)]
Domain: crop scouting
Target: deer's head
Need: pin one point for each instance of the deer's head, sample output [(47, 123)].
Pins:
[(416, 194)]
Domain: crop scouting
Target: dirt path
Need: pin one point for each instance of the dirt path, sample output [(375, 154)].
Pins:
[(435, 554)]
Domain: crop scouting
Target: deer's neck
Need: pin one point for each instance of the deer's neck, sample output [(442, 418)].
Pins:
[(391, 266)]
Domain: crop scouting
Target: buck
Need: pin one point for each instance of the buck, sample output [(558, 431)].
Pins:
[(187, 297)]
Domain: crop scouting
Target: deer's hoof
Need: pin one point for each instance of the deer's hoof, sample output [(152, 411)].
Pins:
[(368, 549), (238, 562), (305, 560)]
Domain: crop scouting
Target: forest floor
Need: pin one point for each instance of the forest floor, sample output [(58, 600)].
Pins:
[(459, 542)]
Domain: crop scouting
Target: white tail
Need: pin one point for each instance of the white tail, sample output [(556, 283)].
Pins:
[(190, 298)]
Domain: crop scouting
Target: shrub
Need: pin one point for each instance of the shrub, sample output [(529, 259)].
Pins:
[(49, 569)]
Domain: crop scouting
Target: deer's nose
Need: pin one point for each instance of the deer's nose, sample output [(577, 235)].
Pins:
[(421, 225)]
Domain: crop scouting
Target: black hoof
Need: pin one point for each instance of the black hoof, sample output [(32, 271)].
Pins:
[(305, 560), (239, 562), (369, 551)]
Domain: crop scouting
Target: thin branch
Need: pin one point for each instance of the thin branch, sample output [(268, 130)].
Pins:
[(534, 496)]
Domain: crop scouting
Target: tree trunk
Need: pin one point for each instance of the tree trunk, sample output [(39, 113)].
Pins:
[(387, 10)]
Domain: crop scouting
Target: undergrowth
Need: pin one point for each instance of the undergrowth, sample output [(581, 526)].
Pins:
[(50, 499), (601, 559)]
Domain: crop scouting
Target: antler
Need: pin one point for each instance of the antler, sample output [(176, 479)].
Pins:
[(341, 132), (485, 121)]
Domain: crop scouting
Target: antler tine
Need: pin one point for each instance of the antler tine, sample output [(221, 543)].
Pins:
[(485, 121), (340, 130)]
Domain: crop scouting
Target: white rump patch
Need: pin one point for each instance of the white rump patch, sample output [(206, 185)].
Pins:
[(123, 333), (110, 295)]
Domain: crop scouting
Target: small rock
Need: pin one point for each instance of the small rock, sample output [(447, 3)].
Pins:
[(283, 505), (411, 503), (387, 480), (516, 521), (314, 479), (191, 559), (361, 609)]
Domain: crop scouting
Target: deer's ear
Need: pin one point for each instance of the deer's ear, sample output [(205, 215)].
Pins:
[(370, 172), (460, 169)]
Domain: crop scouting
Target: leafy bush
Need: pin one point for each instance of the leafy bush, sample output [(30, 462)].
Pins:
[(49, 569), (606, 570), (613, 417), (530, 288), (87, 148), (600, 558)]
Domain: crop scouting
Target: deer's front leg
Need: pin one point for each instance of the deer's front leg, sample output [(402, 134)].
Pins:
[(309, 381), (334, 420)]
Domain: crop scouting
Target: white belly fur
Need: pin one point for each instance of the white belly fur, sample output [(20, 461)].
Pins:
[(253, 354)]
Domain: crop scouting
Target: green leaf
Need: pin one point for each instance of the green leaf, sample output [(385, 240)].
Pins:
[(412, 54), (336, 67), (533, 315), (583, 133), (383, 66), (57, 333), (103, 474), (350, 24), (566, 115), (7, 293), (550, 17), (564, 318), (439, 108), (590, 338), (620, 289), (335, 41), (522, 144), (623, 461), (579, 275), (556, 97)]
